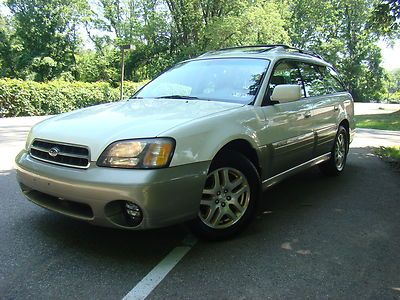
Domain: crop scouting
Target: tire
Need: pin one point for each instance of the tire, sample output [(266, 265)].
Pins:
[(229, 197), (336, 164)]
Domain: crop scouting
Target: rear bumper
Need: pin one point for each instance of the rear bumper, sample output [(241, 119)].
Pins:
[(166, 196)]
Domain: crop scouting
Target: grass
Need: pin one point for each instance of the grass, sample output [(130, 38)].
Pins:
[(379, 121), (390, 155), (389, 152)]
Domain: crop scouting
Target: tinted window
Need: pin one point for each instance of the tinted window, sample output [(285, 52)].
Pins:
[(285, 73), (313, 80), (227, 79), (332, 82)]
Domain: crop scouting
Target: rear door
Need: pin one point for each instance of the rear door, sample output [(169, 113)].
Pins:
[(324, 91)]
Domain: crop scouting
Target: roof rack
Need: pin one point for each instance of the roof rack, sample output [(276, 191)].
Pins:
[(255, 46), (271, 47), (308, 52)]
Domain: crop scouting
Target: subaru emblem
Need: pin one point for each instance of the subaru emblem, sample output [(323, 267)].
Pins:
[(53, 152)]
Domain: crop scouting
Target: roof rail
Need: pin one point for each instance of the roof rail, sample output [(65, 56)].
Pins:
[(308, 52), (271, 47), (255, 46)]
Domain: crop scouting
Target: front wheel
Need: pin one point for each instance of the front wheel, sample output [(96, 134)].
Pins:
[(229, 197), (335, 165)]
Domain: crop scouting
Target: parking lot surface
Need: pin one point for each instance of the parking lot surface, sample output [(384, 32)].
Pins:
[(315, 237)]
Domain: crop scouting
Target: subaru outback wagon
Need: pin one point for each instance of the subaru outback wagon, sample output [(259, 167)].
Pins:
[(199, 143)]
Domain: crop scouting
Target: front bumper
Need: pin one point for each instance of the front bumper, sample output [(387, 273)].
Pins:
[(166, 196)]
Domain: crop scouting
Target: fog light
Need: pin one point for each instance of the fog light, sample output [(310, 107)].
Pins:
[(133, 213)]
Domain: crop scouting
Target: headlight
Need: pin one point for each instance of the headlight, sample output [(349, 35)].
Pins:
[(139, 154)]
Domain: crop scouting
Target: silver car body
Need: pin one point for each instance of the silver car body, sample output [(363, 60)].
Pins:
[(279, 139)]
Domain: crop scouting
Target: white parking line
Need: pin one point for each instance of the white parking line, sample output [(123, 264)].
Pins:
[(158, 273)]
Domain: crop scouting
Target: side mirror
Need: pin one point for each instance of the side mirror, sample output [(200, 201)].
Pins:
[(286, 93)]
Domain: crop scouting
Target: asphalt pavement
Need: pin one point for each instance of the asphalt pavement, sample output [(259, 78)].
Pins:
[(315, 237)]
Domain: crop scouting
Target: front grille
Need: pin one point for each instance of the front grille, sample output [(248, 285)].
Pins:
[(62, 154)]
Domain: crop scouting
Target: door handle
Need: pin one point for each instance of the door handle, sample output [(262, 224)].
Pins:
[(336, 108), (307, 114)]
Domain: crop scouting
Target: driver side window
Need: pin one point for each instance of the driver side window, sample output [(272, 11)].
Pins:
[(285, 72)]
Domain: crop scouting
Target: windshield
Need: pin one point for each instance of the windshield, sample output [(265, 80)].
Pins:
[(224, 79)]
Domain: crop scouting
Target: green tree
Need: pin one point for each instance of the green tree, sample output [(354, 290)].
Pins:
[(393, 81), (385, 18), (7, 51), (167, 31), (259, 23), (142, 23), (221, 23), (339, 31), (47, 32), (101, 65)]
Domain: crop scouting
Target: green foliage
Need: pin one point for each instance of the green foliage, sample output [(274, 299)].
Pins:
[(389, 152), (172, 30), (339, 31), (394, 97), (260, 23), (29, 98), (40, 41), (46, 31), (392, 86), (385, 18), (6, 48), (98, 66)]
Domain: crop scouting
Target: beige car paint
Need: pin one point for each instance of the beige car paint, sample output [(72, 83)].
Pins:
[(283, 136)]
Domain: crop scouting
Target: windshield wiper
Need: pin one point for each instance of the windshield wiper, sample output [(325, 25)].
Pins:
[(176, 97)]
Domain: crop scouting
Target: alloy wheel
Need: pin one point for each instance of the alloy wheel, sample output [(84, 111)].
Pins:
[(340, 151), (225, 198)]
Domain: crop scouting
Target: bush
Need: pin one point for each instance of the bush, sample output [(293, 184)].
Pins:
[(29, 98), (394, 98)]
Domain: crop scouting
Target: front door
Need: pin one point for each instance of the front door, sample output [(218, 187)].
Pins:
[(288, 132)]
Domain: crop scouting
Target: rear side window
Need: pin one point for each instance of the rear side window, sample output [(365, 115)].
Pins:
[(332, 82), (320, 80)]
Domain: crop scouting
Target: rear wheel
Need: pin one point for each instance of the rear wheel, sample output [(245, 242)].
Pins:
[(335, 165), (229, 197)]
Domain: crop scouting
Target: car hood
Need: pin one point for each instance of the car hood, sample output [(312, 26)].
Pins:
[(98, 126)]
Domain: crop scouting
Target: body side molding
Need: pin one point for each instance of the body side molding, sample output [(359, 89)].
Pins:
[(279, 177)]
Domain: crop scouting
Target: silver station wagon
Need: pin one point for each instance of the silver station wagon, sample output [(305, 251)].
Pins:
[(198, 144)]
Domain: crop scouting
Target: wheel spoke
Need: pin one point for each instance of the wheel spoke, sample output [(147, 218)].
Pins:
[(206, 202), (219, 217), (211, 213), (241, 191), (238, 181), (225, 176), (217, 183), (209, 191), (237, 205), (231, 214)]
